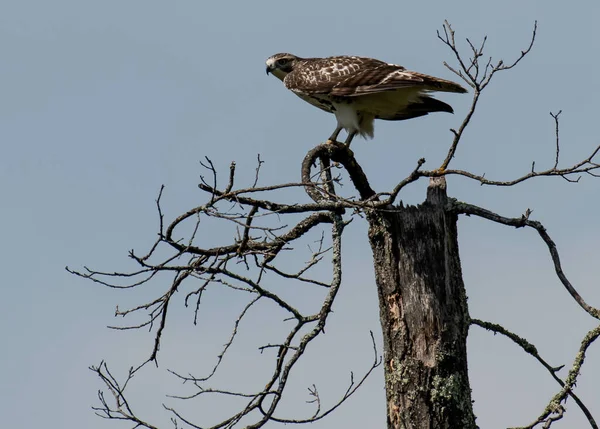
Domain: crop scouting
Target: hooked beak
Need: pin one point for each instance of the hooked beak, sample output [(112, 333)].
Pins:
[(268, 70)]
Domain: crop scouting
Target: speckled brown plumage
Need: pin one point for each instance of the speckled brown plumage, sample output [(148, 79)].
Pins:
[(353, 76)]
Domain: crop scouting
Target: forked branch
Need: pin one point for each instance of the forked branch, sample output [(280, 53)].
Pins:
[(476, 74)]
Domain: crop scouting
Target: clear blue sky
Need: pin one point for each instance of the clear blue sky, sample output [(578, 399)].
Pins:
[(102, 102)]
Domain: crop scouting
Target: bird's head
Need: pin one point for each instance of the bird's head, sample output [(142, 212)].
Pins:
[(281, 64)]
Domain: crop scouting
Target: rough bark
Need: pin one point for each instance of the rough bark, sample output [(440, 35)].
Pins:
[(424, 314)]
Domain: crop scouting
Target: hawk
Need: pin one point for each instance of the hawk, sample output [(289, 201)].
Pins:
[(359, 90)]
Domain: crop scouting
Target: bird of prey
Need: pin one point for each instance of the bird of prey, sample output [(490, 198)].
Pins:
[(359, 90)]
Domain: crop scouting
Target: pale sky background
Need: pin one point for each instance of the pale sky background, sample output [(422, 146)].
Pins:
[(102, 102)]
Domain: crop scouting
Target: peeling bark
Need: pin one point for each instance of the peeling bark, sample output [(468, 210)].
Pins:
[(424, 314)]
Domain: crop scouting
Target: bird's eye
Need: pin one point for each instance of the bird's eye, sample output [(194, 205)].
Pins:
[(282, 62)]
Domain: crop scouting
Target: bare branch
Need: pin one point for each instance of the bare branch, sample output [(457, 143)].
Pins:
[(259, 164), (413, 176), (588, 166), (221, 355), (524, 221), (211, 168), (231, 178), (352, 388), (121, 410), (342, 154), (555, 116), (532, 350), (470, 73), (554, 411)]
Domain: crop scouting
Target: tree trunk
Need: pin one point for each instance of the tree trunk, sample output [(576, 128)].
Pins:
[(424, 314)]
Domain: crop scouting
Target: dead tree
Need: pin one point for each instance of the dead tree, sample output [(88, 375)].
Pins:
[(423, 308)]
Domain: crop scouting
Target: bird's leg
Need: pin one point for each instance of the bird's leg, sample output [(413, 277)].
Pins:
[(334, 136), (349, 138)]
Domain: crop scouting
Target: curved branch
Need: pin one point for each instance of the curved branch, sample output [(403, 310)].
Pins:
[(520, 222), (337, 152), (271, 247)]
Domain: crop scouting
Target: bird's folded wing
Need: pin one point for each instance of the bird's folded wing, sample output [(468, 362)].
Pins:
[(361, 78)]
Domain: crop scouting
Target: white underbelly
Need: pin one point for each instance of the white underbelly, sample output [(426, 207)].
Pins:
[(347, 116)]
